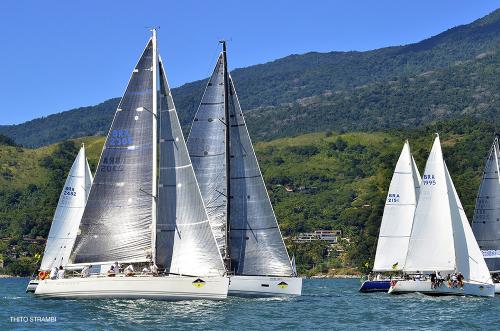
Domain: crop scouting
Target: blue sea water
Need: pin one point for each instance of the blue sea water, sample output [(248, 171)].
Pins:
[(326, 304)]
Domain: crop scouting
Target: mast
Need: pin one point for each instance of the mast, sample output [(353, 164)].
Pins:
[(227, 253), (155, 143)]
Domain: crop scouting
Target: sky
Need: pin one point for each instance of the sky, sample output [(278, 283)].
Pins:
[(59, 55)]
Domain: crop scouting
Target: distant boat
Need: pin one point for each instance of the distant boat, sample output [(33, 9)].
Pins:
[(397, 221), (235, 195), (486, 221), (441, 240), (135, 217), (67, 218)]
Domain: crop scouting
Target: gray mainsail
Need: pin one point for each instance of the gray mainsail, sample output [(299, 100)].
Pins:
[(256, 246), (117, 221), (486, 221), (206, 146), (185, 243)]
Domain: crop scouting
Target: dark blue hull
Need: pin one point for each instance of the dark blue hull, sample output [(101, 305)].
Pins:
[(375, 286)]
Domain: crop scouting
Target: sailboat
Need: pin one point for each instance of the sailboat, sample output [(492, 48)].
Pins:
[(132, 217), (441, 240), (397, 221), (486, 221), (67, 218), (235, 195)]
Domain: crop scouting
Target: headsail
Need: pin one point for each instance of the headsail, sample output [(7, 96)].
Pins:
[(117, 222), (68, 214), (431, 244), (257, 247), (486, 221), (185, 243), (399, 210)]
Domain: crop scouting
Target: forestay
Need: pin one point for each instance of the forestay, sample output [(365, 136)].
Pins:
[(185, 243), (399, 210), (68, 214), (486, 221), (257, 247), (117, 221), (431, 246)]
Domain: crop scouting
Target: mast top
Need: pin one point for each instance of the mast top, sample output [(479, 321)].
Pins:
[(223, 42)]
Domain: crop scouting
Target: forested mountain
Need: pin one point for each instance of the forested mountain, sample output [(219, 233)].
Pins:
[(445, 76)]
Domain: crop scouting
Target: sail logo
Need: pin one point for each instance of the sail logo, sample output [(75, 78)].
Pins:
[(199, 283), (120, 138), (112, 163), (393, 197), (69, 191), (283, 285), (429, 180)]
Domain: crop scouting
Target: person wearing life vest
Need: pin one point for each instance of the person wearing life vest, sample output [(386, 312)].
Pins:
[(53, 273)]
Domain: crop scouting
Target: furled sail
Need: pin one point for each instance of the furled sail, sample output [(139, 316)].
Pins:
[(207, 146), (68, 214), (399, 210), (486, 221), (257, 247), (431, 245), (185, 243), (117, 221)]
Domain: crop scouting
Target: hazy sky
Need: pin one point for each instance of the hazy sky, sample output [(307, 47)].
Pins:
[(58, 55)]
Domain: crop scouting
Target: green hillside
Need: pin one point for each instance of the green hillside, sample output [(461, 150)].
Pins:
[(445, 76), (337, 181)]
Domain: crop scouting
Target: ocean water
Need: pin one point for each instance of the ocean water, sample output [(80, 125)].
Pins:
[(326, 304)]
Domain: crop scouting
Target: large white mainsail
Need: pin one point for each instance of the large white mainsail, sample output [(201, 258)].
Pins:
[(68, 214), (255, 243), (486, 221), (431, 244), (399, 210)]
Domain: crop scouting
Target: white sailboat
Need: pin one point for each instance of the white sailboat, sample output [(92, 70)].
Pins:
[(486, 221), (397, 221), (134, 218), (441, 239), (235, 195), (67, 218)]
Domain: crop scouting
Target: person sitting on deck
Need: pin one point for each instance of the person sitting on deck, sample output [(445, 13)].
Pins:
[(60, 273), (453, 280), (433, 280), (53, 273), (129, 271), (460, 279), (117, 268), (154, 269), (86, 271), (111, 271), (145, 271)]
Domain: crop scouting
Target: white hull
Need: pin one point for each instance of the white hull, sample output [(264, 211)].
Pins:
[(497, 288), (264, 286), (32, 285), (409, 286), (139, 287)]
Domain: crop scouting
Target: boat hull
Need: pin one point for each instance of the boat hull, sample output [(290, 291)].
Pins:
[(497, 287), (369, 286), (142, 287), (410, 286), (32, 286), (264, 286)]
